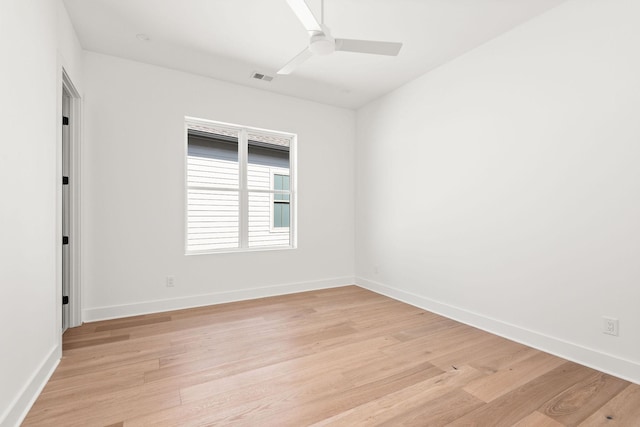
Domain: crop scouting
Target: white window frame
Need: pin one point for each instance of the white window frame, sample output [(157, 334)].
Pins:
[(243, 190)]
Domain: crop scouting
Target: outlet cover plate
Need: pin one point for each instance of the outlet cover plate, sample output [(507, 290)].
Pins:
[(609, 326)]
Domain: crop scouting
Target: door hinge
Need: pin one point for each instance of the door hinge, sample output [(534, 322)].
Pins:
[(65, 240), (65, 300), (65, 180), (65, 121)]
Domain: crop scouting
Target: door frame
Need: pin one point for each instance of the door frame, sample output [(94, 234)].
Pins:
[(75, 271)]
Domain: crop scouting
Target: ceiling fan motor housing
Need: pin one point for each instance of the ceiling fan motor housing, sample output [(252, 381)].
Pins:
[(322, 44)]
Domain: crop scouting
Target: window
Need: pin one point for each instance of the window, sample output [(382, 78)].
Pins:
[(280, 200), (240, 188)]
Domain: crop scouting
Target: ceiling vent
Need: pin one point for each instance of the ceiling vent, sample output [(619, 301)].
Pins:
[(260, 76)]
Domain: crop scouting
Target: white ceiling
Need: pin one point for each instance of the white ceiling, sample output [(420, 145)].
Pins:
[(229, 39)]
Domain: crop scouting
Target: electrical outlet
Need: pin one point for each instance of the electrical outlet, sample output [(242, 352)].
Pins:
[(609, 326), (170, 282)]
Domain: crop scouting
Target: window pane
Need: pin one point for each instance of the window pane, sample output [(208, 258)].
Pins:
[(280, 214), (212, 220), (277, 215), (261, 231), (262, 158), (212, 160), (285, 182), (285, 214)]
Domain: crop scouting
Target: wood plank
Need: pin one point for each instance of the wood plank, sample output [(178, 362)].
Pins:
[(504, 354), (97, 382), (346, 398), (622, 410), (517, 404), (437, 412), (513, 376), (579, 401), (395, 405), (101, 409), (70, 366), (257, 393), (442, 342), (536, 419), (133, 323), (93, 342), (296, 370)]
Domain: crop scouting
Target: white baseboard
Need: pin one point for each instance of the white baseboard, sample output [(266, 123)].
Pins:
[(19, 408), (592, 358), (157, 306)]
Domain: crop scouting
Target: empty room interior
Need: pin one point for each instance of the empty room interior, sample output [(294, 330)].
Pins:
[(320, 212)]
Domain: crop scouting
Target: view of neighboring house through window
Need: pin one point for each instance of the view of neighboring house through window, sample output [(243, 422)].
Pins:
[(280, 201), (240, 192)]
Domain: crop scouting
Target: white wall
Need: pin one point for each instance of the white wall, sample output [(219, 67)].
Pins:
[(134, 191), (36, 41), (503, 188)]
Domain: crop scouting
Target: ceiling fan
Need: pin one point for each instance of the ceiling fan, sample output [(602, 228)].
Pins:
[(322, 43)]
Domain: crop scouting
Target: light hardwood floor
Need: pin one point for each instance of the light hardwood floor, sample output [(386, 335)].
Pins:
[(337, 357)]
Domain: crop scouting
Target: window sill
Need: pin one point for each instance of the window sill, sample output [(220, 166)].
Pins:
[(241, 251)]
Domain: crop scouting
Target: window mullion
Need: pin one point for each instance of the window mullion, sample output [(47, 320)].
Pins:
[(243, 155)]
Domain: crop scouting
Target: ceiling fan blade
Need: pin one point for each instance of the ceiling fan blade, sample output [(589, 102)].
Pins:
[(367, 46), (299, 59), (302, 11)]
